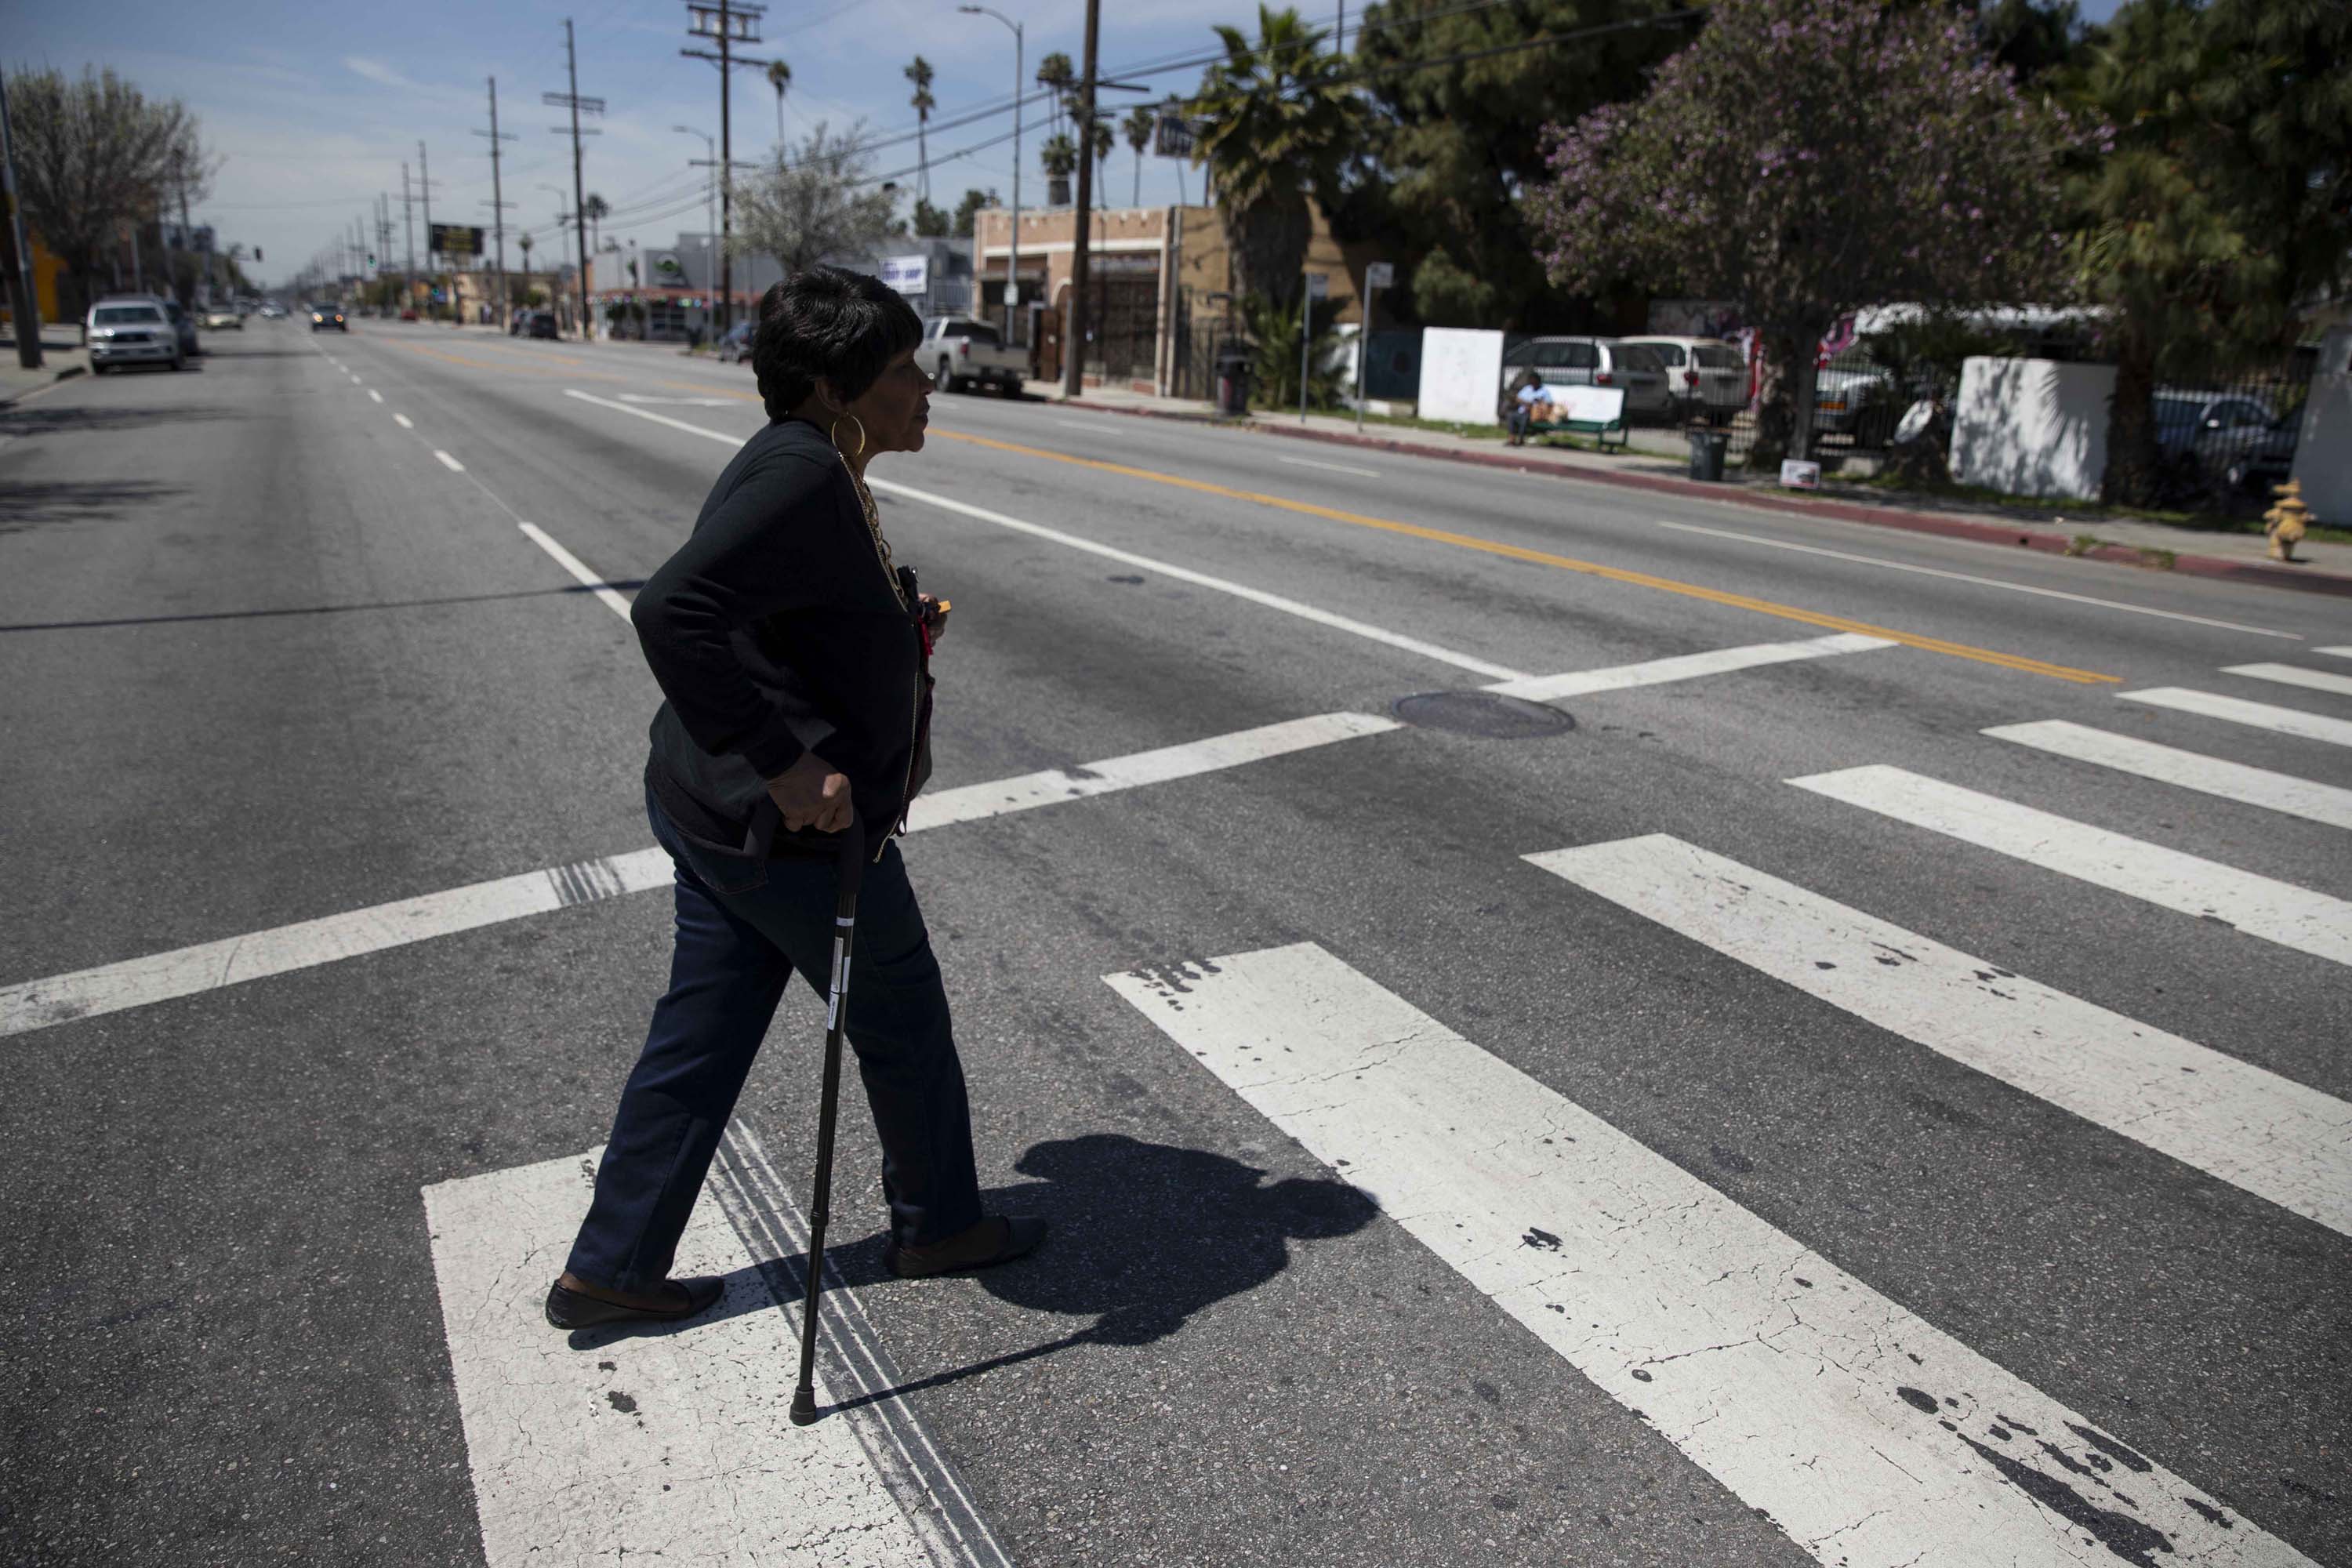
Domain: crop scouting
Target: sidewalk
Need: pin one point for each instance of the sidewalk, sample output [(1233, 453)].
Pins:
[(2239, 557), (62, 355)]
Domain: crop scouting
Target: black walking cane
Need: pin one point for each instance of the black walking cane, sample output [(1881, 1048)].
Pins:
[(850, 871)]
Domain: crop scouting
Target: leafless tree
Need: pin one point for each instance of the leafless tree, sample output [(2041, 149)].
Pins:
[(95, 156), (812, 203)]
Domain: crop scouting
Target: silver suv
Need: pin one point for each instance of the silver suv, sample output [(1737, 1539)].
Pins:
[(1596, 362), (132, 329)]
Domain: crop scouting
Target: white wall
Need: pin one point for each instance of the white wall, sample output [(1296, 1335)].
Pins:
[(2032, 426), (2323, 452), (1461, 374)]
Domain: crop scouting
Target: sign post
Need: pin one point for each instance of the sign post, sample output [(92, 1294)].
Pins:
[(1378, 276), (1318, 288)]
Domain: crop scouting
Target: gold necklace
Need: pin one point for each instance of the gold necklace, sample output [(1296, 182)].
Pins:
[(874, 527)]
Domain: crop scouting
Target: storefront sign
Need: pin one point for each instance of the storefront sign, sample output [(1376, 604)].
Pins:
[(907, 274)]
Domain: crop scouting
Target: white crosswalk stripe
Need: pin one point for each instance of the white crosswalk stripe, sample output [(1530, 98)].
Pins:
[(2325, 680), (1684, 667), (2238, 711), (655, 1445), (2336, 652), (2270, 1135), (1869, 1436), (2276, 912), (2189, 770)]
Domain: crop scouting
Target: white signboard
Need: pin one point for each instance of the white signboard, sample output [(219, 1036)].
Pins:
[(907, 274), (1318, 285), (1461, 374), (1380, 275)]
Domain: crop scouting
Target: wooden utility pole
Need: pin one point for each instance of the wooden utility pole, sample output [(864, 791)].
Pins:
[(731, 22), (1073, 340), (574, 102), (498, 200), (15, 253)]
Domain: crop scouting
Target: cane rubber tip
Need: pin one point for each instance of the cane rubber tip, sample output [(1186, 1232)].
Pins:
[(804, 1407)]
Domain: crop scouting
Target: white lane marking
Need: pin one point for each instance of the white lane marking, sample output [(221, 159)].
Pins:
[(2335, 652), (2325, 680), (448, 462), (357, 382), (1814, 1399), (402, 420), (682, 402), (2276, 912), (2189, 770), (1972, 577), (1080, 425), (2238, 711), (637, 1443), (972, 802), (1183, 574), (1683, 667), (2275, 1138), (374, 394), (606, 595), (1333, 467), (185, 972)]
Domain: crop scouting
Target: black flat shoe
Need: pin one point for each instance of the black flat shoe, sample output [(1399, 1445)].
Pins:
[(578, 1310), (999, 1240)]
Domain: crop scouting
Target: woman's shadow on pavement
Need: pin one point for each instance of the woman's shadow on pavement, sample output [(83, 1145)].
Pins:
[(1144, 1236)]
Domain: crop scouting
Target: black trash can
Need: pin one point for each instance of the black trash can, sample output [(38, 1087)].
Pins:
[(1707, 450), (1233, 379)]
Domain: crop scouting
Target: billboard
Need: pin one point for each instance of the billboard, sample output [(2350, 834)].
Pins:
[(907, 274), (457, 239)]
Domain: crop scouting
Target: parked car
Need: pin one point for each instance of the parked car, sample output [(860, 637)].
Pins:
[(736, 343), (131, 329), (959, 351), (220, 318), (1597, 362), (1706, 378), (543, 325), (2231, 440), (328, 319)]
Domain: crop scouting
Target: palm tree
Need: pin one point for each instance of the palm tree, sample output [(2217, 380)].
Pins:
[(595, 209), (1275, 117), (1055, 71), (1140, 121), (1103, 140), (919, 73), (780, 76), (1060, 156)]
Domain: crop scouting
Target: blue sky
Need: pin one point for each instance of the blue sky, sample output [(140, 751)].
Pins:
[(315, 111)]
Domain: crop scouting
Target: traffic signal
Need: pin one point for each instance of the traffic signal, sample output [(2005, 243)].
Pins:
[(257, 252)]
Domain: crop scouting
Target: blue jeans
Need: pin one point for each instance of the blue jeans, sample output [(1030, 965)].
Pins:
[(743, 927)]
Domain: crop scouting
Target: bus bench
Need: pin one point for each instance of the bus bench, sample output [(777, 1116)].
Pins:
[(1595, 411)]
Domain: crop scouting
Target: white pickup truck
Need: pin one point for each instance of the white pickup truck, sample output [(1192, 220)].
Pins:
[(959, 351)]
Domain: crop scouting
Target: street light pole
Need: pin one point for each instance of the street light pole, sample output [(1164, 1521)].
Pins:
[(1074, 350), (1012, 245)]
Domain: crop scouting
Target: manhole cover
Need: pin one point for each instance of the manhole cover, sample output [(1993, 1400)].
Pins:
[(1486, 714)]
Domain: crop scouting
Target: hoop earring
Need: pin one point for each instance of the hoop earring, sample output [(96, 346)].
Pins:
[(834, 434)]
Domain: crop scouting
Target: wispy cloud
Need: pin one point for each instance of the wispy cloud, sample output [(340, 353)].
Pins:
[(378, 72)]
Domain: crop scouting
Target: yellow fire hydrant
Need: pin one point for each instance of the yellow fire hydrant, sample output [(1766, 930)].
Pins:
[(2285, 520)]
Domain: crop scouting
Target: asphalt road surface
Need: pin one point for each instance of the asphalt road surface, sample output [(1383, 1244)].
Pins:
[(1552, 1025)]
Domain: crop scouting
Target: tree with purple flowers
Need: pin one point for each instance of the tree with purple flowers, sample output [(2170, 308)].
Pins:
[(1806, 158)]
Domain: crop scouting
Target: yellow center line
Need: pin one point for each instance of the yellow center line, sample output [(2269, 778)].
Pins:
[(512, 369), (1565, 563)]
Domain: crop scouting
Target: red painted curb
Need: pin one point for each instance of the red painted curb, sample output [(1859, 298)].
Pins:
[(1839, 510)]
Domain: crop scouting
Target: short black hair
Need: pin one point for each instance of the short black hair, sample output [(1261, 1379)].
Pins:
[(827, 323)]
